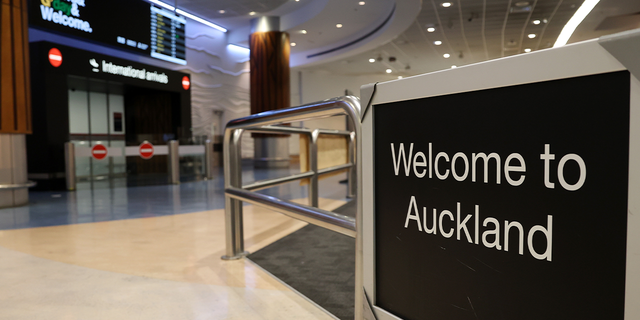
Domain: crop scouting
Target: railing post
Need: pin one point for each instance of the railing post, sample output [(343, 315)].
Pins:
[(352, 177), (70, 165), (174, 161), (233, 208), (313, 166), (208, 159)]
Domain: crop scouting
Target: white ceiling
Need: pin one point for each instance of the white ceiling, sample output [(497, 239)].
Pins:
[(386, 30)]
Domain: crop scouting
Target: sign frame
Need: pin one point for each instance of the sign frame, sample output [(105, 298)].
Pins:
[(596, 56)]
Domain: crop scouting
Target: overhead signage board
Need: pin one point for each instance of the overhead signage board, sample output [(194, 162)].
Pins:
[(62, 59), (134, 25), (503, 196)]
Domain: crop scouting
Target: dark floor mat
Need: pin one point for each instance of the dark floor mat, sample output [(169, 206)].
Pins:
[(318, 263)]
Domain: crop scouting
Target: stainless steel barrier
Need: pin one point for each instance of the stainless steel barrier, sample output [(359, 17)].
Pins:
[(208, 159), (70, 165), (267, 122)]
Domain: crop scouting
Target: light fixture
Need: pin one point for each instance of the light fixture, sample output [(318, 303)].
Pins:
[(238, 48), (446, 55), (189, 15), (293, 44), (372, 60), (399, 77), (531, 35), (575, 21), (431, 29), (221, 11), (303, 31), (437, 43), (454, 66), (389, 70), (527, 50), (446, 4), (361, 3), (252, 13), (339, 25), (536, 21)]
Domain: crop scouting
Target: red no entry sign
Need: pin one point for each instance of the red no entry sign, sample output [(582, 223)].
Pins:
[(186, 83), (99, 152), (146, 150), (55, 57)]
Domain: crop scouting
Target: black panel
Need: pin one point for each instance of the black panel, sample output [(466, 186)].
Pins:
[(575, 267)]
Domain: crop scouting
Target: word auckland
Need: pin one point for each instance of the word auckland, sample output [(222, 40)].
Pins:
[(491, 233)]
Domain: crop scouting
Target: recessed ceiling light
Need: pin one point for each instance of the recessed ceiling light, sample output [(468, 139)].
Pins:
[(431, 29), (454, 66), (531, 35), (252, 13), (522, 4), (399, 77), (303, 31), (221, 11), (361, 3), (339, 25), (536, 21), (446, 55), (446, 4), (389, 70), (527, 50), (293, 44), (372, 60), (437, 43)]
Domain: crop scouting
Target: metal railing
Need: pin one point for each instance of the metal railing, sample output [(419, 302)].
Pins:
[(236, 193)]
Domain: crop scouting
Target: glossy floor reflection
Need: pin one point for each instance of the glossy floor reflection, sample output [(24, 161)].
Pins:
[(146, 253)]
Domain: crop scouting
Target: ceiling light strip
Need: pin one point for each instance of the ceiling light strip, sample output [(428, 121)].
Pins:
[(544, 28), (188, 15), (574, 22)]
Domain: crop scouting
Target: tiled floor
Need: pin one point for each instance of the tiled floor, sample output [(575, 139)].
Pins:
[(145, 253)]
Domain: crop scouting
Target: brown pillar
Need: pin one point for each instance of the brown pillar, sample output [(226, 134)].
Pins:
[(15, 102), (270, 86)]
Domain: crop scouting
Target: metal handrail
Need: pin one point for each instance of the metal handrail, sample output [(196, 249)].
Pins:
[(268, 122)]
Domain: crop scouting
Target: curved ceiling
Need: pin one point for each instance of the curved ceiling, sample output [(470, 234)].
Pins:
[(396, 34)]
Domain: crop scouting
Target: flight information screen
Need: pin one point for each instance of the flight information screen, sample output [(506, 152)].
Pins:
[(133, 25)]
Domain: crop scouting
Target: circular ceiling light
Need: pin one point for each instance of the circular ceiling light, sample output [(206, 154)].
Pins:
[(293, 44), (221, 11), (446, 4), (454, 66), (389, 70), (361, 3), (531, 35), (446, 55), (535, 21), (431, 29), (372, 60), (252, 13), (437, 43), (527, 50), (339, 25), (399, 77), (303, 31)]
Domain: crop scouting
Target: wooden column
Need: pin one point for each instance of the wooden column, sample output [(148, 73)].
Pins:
[(15, 92), (270, 83)]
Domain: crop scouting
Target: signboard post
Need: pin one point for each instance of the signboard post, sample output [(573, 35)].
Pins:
[(99, 152), (146, 150), (503, 190)]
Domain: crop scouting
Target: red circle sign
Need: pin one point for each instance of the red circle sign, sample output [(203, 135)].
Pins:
[(186, 83), (55, 57), (99, 152), (146, 150)]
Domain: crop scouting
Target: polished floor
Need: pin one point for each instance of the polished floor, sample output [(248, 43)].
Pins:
[(146, 253)]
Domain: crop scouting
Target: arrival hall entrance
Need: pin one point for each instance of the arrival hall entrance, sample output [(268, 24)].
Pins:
[(92, 100)]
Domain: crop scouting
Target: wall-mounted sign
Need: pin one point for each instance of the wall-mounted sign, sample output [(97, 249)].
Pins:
[(99, 152), (55, 57), (134, 25)]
